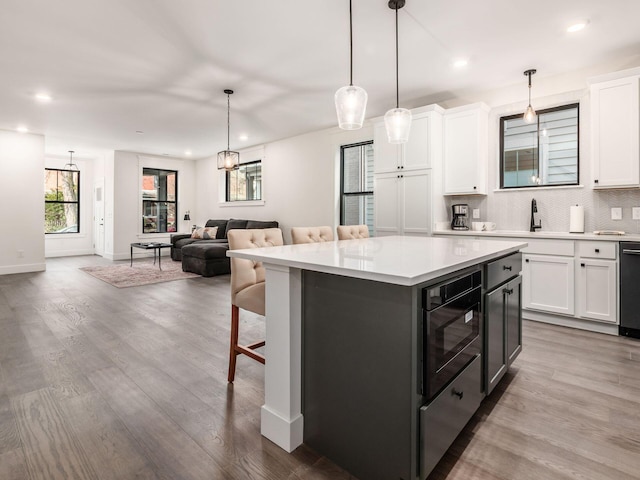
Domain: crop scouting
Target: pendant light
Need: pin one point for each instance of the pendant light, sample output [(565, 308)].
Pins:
[(397, 121), (71, 165), (227, 159), (530, 113), (351, 101)]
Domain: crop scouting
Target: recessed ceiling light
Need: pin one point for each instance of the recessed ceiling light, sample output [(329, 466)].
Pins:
[(22, 129), (139, 132), (43, 97), (243, 137), (187, 153), (576, 27), (460, 62)]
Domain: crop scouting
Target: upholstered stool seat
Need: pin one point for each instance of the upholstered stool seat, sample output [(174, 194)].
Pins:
[(350, 232), (206, 259), (311, 234)]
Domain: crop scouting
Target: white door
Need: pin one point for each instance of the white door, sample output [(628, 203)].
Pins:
[(548, 283), (98, 217), (416, 150), (597, 289), (416, 201), (386, 196), (461, 153)]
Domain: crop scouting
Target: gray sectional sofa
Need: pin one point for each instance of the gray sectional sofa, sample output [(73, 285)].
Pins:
[(209, 257)]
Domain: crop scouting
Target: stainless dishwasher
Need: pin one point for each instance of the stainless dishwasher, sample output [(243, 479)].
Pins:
[(629, 281)]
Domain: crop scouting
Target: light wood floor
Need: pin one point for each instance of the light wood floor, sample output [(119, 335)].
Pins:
[(99, 382)]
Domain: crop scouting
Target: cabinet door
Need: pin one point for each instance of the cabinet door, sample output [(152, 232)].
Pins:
[(548, 283), (465, 152), (597, 290), (386, 155), (615, 126), (494, 330), (416, 153), (386, 196), (415, 205), (513, 319)]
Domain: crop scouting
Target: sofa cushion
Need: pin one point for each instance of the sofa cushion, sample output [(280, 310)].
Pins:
[(235, 223), (184, 241), (205, 233), (222, 227), (259, 224), (205, 251)]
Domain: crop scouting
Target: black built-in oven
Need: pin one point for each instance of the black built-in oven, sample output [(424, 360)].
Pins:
[(451, 329)]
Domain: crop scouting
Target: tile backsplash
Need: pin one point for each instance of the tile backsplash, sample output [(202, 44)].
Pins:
[(511, 210)]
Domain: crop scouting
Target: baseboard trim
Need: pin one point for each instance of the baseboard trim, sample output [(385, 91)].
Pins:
[(70, 253), (590, 325), (32, 267)]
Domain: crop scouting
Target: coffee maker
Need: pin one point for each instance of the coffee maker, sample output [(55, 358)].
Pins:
[(459, 220)]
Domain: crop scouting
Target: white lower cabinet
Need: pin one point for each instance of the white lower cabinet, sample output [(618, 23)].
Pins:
[(403, 203), (548, 283), (596, 289)]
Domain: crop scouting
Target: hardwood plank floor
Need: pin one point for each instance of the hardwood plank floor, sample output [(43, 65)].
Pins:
[(100, 382)]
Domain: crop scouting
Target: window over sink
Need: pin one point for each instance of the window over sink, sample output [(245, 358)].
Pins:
[(543, 153)]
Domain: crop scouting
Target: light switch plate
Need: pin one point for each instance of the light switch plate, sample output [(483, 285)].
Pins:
[(635, 213), (616, 213), (476, 213)]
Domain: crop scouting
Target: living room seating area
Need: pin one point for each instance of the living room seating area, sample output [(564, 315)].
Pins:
[(206, 256)]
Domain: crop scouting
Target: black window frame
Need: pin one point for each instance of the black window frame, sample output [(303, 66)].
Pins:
[(159, 201), (227, 182), (344, 194), (63, 202), (538, 113)]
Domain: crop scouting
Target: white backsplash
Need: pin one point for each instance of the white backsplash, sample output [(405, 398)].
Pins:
[(511, 210)]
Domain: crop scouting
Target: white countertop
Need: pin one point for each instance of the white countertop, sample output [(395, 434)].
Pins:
[(548, 235), (396, 259)]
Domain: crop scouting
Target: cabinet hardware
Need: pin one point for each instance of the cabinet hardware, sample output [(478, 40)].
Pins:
[(595, 181), (526, 260), (631, 252), (505, 267), (401, 166), (401, 176), (507, 291), (597, 250), (398, 167), (457, 393), (582, 264), (475, 187)]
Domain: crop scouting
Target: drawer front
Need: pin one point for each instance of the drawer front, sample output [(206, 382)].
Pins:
[(443, 419), (605, 250), (550, 247), (503, 269)]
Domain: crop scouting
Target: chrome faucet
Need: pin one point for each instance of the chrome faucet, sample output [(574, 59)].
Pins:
[(534, 209)]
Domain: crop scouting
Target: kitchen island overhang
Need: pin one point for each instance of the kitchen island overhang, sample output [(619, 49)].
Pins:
[(398, 260)]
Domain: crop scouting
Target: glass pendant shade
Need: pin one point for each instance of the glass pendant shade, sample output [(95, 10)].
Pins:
[(228, 160), (351, 103), (397, 122), (529, 115)]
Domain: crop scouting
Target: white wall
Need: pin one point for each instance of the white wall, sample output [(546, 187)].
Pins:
[(60, 245), (124, 215), (299, 182), (22, 196)]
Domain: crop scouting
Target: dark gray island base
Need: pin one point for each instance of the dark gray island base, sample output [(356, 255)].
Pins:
[(365, 365)]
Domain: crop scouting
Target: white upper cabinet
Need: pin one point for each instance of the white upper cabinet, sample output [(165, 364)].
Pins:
[(466, 150), (615, 130), (419, 151)]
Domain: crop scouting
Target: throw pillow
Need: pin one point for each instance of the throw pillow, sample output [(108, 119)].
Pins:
[(205, 233)]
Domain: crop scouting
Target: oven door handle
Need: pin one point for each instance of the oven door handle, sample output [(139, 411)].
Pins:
[(630, 252)]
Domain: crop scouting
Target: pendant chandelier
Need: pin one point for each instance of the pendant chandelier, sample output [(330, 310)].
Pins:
[(71, 165), (351, 101), (530, 113), (397, 121), (227, 159)]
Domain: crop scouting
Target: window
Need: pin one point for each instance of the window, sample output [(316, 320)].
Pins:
[(245, 183), (356, 185), (61, 201), (159, 200), (543, 153)]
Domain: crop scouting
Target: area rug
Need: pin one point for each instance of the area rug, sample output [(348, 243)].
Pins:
[(141, 273)]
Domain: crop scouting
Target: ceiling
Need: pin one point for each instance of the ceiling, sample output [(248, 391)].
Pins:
[(115, 67)]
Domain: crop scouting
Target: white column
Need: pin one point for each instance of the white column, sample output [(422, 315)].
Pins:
[(281, 419)]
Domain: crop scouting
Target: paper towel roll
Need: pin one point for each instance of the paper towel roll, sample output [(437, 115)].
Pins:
[(576, 219)]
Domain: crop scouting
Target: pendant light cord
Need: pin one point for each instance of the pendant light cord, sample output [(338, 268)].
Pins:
[(228, 122), (397, 77), (529, 88), (350, 46)]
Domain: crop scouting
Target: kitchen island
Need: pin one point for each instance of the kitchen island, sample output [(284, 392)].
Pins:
[(381, 273)]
